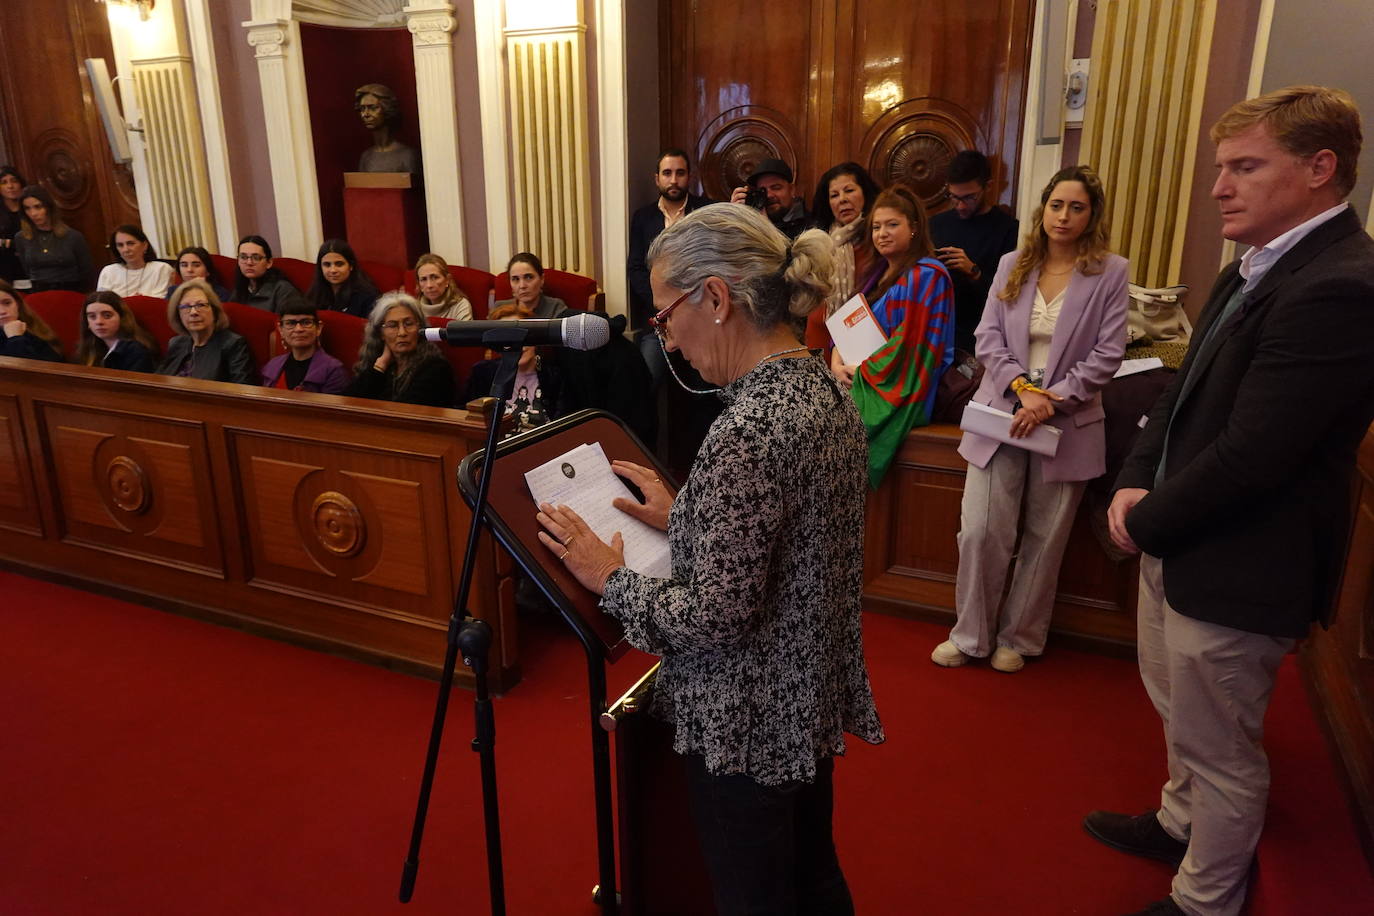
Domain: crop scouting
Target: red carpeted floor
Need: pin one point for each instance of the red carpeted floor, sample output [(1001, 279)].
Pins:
[(154, 764)]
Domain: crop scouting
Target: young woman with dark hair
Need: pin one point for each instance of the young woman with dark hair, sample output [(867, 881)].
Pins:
[(54, 254), (258, 283), (11, 220), (135, 270), (112, 337), (340, 284), (23, 333), (195, 263), (526, 277)]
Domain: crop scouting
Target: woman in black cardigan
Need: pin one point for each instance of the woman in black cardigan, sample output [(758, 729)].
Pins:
[(396, 363), (204, 347), (112, 337)]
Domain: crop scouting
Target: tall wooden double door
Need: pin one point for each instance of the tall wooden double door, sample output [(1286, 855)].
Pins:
[(899, 86)]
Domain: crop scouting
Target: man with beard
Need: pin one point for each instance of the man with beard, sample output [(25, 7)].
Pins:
[(672, 175), (784, 208)]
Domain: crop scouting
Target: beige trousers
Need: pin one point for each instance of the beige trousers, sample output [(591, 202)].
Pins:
[(1211, 686), (989, 519)]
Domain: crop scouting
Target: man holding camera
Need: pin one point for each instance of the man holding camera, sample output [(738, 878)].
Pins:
[(769, 188)]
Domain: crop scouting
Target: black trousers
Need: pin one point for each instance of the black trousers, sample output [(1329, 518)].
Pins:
[(769, 849)]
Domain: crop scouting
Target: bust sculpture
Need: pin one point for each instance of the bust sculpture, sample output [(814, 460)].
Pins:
[(380, 111)]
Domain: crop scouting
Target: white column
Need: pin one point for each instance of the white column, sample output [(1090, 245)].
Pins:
[(431, 25), (281, 71), (202, 40), (491, 89), (613, 139)]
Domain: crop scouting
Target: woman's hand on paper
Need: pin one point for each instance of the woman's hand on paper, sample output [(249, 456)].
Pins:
[(590, 559), (657, 500), (1035, 409)]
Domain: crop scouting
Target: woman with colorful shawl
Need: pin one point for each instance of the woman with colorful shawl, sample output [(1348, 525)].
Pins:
[(913, 301)]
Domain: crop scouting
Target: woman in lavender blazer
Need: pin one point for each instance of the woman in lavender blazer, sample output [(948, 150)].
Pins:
[(1052, 334)]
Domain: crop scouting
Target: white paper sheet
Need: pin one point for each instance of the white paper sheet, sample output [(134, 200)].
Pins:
[(855, 331), (996, 424), (582, 479), (1132, 366)]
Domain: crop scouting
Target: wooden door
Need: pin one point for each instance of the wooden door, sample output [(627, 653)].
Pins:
[(48, 115), (896, 85)]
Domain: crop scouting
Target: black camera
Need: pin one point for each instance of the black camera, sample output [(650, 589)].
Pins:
[(757, 198)]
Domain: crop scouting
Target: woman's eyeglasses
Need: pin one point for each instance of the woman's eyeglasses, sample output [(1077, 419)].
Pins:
[(409, 324), (289, 323), (659, 322), (252, 258), (193, 306)]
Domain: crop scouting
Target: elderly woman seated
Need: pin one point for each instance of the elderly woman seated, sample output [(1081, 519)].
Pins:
[(112, 337), (305, 367), (396, 363), (204, 347), (22, 333)]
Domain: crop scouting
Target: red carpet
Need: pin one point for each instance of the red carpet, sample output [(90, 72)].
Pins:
[(158, 765)]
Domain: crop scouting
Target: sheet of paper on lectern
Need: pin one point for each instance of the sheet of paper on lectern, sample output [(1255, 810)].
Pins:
[(856, 333), (582, 480)]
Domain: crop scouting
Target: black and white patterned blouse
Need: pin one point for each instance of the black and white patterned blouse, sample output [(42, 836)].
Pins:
[(763, 667)]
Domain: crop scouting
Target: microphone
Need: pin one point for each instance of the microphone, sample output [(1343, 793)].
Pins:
[(584, 331)]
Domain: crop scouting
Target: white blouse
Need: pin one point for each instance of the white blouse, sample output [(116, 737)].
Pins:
[(152, 279), (1044, 316)]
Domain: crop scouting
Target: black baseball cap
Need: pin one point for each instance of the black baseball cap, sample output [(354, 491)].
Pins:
[(770, 167)]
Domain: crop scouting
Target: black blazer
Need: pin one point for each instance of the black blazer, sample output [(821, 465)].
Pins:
[(226, 357), (1252, 517), (431, 383), (129, 355)]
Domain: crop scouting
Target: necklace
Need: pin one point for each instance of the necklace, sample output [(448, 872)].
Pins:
[(1057, 273), (685, 387)]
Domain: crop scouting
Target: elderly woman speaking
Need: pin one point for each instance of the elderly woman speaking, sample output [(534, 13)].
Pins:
[(763, 668)]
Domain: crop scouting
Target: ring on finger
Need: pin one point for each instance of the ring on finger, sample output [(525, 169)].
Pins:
[(568, 542), (565, 554)]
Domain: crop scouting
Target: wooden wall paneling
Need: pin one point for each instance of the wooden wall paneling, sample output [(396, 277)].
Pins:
[(18, 507), (330, 521)]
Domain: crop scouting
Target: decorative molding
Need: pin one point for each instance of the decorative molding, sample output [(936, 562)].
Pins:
[(199, 30), (496, 164), (613, 143), (350, 14), (338, 525), (128, 486), (738, 139), (267, 41), (431, 24)]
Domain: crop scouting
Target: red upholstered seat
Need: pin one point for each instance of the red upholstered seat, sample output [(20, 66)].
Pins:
[(385, 276), (61, 309), (259, 327), (343, 336), (228, 270), (475, 284), (300, 273), (578, 291), (151, 312)]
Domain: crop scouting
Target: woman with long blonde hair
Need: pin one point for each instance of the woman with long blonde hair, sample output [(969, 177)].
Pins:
[(1052, 335)]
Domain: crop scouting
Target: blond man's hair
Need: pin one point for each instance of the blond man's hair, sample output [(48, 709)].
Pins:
[(1304, 120)]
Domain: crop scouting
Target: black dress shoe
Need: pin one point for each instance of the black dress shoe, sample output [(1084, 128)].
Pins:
[(1165, 907), (1141, 835)]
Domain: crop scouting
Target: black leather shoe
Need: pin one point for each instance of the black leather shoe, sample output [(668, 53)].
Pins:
[(1141, 835), (1165, 907)]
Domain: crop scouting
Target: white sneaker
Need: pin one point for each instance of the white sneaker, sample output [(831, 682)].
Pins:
[(1007, 660), (947, 655)]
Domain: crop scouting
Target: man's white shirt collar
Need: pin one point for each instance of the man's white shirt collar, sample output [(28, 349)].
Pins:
[(1255, 263)]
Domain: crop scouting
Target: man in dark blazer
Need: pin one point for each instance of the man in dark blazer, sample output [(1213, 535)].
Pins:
[(1238, 490)]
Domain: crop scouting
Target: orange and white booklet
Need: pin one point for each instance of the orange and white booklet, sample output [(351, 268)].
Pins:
[(856, 332)]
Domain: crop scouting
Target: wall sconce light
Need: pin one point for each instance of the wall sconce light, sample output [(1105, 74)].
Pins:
[(145, 7)]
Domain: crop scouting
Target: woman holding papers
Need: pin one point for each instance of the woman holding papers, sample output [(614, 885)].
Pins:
[(1052, 335), (763, 668), (913, 301), (844, 197)]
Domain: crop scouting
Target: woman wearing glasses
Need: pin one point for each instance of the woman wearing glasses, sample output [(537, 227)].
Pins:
[(304, 367), (396, 363), (204, 347), (758, 627), (260, 284)]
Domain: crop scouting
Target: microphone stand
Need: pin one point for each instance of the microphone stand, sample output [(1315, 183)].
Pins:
[(473, 637)]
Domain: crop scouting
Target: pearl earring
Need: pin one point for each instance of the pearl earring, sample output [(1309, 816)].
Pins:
[(717, 321)]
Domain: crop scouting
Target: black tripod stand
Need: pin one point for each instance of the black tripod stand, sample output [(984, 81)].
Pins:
[(473, 638)]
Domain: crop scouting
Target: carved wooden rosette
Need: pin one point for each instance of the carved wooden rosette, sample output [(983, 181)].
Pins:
[(734, 143), (125, 478), (913, 143), (339, 526)]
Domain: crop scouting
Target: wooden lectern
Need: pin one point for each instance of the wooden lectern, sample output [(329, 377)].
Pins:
[(384, 215)]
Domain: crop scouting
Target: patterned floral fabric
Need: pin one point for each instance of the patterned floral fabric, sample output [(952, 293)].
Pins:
[(763, 668)]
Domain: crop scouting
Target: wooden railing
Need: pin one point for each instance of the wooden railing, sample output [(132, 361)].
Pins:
[(330, 521)]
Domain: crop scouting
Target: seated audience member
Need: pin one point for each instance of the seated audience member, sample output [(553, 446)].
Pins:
[(306, 367), (970, 238), (526, 277), (259, 284), (844, 197), (11, 220), (54, 255), (112, 337), (22, 333), (534, 399), (195, 263), (1064, 294), (340, 285), (439, 295), (135, 270), (204, 347), (396, 363), (783, 207), (895, 387)]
